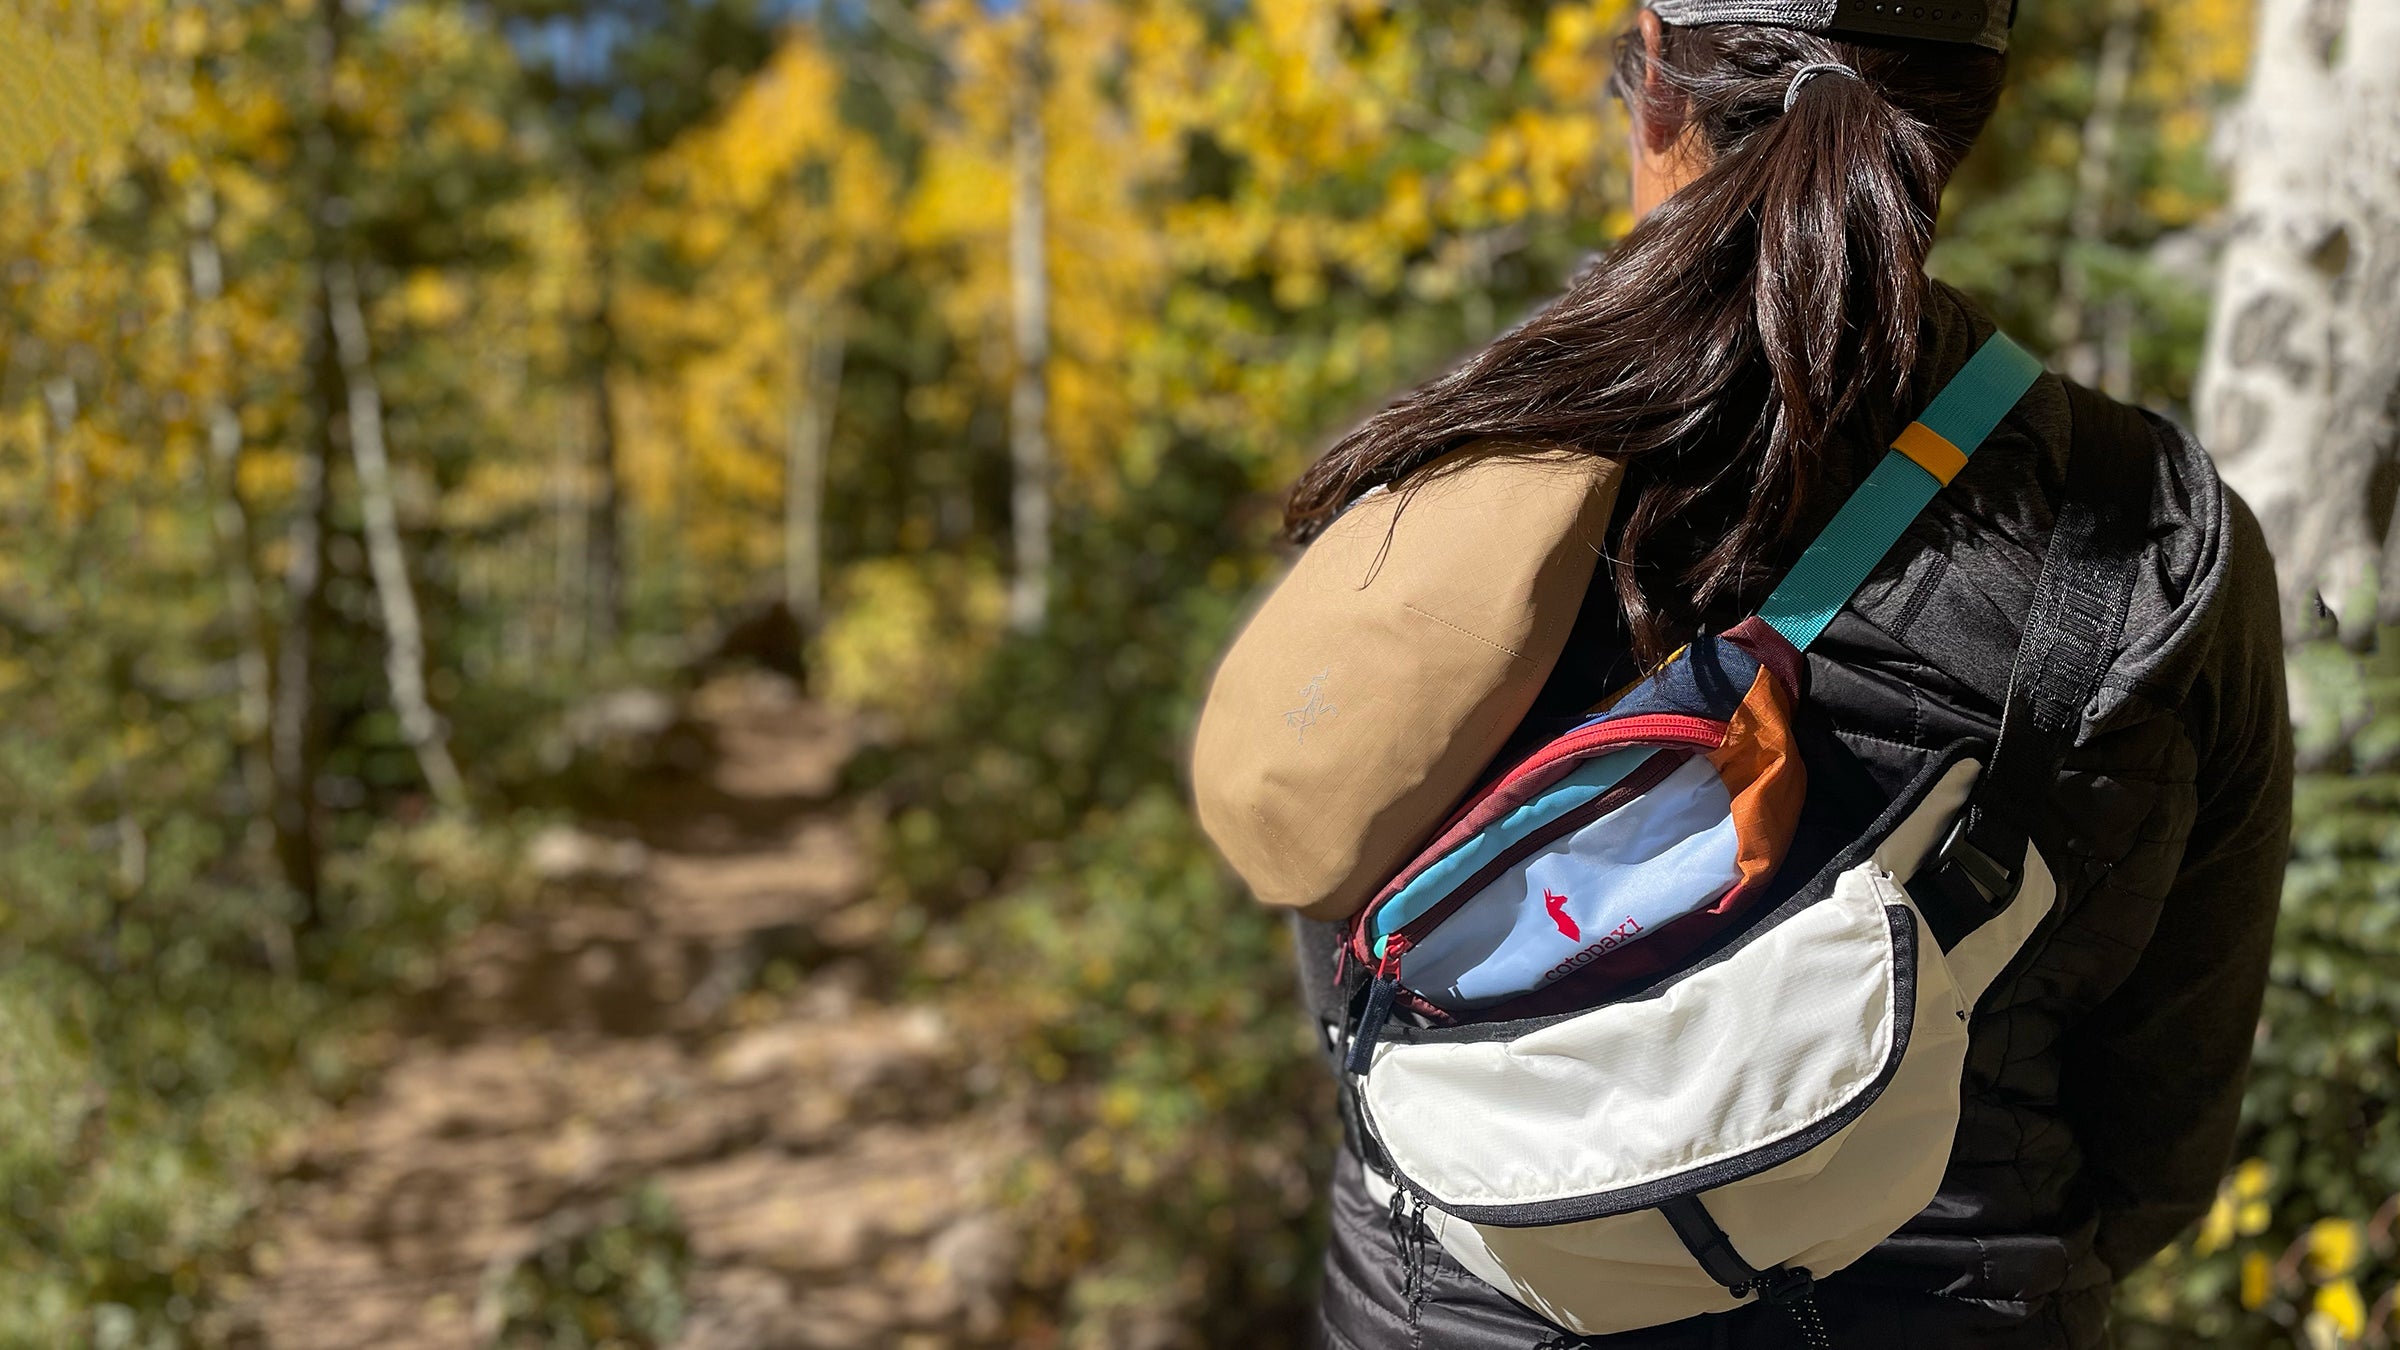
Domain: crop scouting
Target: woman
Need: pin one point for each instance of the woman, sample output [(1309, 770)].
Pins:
[(1748, 350)]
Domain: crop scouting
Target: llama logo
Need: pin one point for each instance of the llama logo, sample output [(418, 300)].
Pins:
[(1557, 905)]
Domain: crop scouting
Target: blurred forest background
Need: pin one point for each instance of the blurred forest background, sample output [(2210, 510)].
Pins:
[(487, 481)]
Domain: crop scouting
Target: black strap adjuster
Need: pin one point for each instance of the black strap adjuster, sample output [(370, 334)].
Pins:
[(1783, 1284), (1959, 858)]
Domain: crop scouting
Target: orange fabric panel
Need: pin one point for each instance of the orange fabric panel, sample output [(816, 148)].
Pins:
[(1762, 771)]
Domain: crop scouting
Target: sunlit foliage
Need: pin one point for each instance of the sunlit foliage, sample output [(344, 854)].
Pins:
[(602, 252)]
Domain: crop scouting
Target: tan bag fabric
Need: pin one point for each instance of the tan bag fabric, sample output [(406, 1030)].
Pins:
[(1390, 664)]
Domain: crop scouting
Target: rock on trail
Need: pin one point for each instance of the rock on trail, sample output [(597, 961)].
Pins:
[(821, 1148)]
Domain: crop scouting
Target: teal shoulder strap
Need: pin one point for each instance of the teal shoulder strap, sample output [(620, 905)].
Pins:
[(1925, 456)]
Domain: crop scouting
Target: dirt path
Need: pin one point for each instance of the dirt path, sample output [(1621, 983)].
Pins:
[(817, 1145)]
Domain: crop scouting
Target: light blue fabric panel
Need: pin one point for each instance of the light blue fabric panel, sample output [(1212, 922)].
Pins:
[(1589, 780), (1668, 853)]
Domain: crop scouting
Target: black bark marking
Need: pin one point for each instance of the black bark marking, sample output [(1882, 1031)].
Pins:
[(2239, 420), (2323, 27), (2262, 335), (2331, 256)]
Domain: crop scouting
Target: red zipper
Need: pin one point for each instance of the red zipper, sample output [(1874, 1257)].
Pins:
[(1660, 728), (1652, 772), (1647, 728)]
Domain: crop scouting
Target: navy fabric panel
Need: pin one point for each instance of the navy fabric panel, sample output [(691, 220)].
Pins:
[(1710, 679)]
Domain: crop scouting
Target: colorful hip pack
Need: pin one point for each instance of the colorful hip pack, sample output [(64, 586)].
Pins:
[(1652, 1027)]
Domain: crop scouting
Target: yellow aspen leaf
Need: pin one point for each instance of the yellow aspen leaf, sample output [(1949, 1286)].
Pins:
[(57, 95), (2258, 1275)]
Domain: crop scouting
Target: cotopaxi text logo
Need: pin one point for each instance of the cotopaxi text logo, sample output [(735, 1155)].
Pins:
[(1609, 941)]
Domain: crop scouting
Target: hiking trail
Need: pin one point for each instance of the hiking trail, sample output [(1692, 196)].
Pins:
[(821, 1147)]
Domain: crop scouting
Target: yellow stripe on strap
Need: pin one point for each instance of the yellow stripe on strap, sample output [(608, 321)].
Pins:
[(1931, 451)]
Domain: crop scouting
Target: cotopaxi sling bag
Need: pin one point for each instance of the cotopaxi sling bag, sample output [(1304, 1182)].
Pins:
[(1648, 1076), (1623, 1066)]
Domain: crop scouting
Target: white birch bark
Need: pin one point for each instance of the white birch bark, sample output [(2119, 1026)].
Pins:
[(404, 633), (2301, 380), (1029, 394), (818, 341)]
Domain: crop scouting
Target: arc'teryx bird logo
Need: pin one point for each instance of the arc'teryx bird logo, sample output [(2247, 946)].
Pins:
[(1313, 707), (1557, 905)]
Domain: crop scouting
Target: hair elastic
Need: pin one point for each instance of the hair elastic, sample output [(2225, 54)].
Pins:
[(1808, 72)]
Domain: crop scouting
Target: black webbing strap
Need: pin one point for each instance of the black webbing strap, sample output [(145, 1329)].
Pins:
[(1790, 1287), (1715, 1252), (2071, 635), (1708, 1243)]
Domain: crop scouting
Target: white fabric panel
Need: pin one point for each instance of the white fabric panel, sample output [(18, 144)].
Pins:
[(1665, 854), (1760, 1045), (1622, 1273), (1821, 1210), (1858, 1187), (1979, 957), (1624, 1104)]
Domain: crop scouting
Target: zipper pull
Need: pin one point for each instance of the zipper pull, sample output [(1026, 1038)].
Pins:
[(1381, 995)]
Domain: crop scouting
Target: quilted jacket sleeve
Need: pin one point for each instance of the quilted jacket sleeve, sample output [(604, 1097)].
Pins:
[(2154, 1081)]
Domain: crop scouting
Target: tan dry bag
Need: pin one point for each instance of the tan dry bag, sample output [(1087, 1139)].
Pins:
[(1389, 666)]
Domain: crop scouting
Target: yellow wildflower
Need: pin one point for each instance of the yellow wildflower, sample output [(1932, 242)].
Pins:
[(2340, 1304), (2334, 1246), (2217, 1229)]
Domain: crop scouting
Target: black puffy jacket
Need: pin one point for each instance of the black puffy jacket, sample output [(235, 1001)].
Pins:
[(2105, 1072)]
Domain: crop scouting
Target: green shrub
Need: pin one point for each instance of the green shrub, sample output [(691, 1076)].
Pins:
[(2300, 1247), (606, 1280)]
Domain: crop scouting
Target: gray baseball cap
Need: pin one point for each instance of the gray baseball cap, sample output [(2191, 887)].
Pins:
[(1983, 23)]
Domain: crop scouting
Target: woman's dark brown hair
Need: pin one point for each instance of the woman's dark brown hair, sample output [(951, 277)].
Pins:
[(1718, 347)]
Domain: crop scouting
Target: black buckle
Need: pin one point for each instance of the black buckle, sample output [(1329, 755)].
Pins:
[(1781, 1285), (1996, 882)]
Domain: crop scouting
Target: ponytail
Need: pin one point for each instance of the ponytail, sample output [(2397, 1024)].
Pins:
[(1722, 344)]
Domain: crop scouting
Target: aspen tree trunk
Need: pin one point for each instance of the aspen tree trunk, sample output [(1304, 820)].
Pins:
[(62, 463), (2083, 352), (603, 530), (294, 733), (403, 629), (229, 513), (294, 736), (817, 352), (1029, 395), (569, 556), (2300, 383), (603, 538)]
